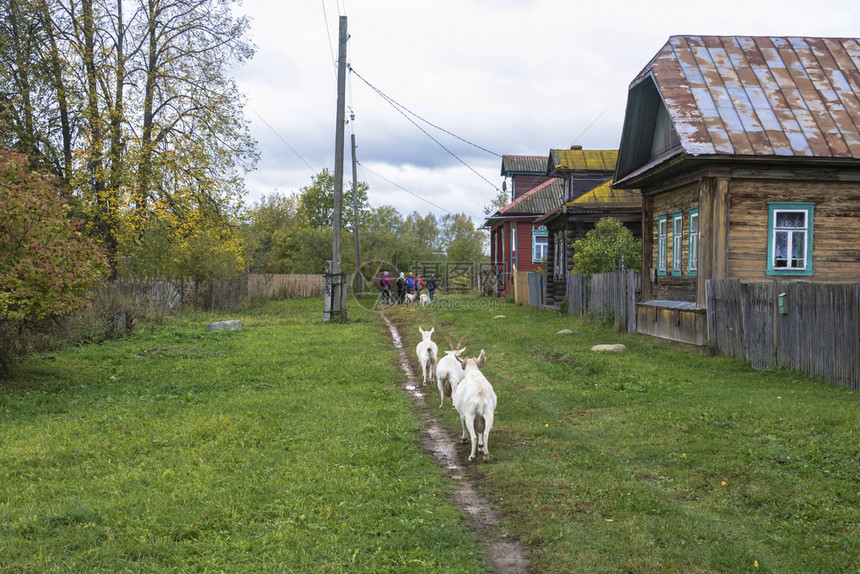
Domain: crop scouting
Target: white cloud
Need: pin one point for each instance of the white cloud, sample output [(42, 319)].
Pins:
[(516, 77)]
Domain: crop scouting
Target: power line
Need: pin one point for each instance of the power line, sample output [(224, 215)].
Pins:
[(262, 119), (400, 109), (403, 188), (589, 126), (328, 33)]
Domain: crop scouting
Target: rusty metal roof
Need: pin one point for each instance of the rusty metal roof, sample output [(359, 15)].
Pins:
[(523, 164), (571, 160), (543, 198), (756, 96)]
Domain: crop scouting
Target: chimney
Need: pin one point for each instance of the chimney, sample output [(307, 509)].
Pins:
[(576, 147)]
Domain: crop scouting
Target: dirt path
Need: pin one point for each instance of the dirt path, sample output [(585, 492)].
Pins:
[(506, 556)]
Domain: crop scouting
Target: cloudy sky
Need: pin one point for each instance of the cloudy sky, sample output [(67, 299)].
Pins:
[(508, 76)]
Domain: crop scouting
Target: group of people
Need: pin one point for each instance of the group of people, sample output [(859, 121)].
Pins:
[(405, 285)]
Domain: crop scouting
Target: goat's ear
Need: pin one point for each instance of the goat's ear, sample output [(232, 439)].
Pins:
[(460, 352), (481, 359), (420, 330), (432, 329)]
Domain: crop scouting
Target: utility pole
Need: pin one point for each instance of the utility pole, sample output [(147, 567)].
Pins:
[(334, 305), (357, 280)]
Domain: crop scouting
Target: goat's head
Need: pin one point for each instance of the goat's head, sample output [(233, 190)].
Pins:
[(426, 334), (475, 362)]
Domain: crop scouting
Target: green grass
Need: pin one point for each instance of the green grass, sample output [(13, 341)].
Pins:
[(289, 447), (286, 447), (661, 458)]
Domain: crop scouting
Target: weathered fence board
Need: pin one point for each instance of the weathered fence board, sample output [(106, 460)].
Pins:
[(267, 286), (605, 294), (537, 285), (816, 334)]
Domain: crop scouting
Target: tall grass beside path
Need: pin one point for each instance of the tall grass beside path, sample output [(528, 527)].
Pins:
[(286, 447), (658, 459)]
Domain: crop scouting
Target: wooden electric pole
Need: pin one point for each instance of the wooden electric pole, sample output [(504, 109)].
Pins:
[(335, 287), (357, 283)]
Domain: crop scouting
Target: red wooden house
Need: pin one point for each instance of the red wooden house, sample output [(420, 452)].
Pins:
[(516, 242)]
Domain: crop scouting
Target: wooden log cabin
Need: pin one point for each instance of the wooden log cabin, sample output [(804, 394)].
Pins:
[(747, 154), (588, 197)]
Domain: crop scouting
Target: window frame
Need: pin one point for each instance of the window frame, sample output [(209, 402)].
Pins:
[(661, 244), (677, 242), (693, 242), (544, 233), (514, 254), (774, 208)]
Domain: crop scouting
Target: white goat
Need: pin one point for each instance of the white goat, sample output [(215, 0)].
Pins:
[(425, 299), (449, 372), (475, 401), (410, 298), (427, 354)]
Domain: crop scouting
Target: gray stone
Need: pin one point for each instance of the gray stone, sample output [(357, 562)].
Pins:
[(235, 325), (617, 348), (565, 332)]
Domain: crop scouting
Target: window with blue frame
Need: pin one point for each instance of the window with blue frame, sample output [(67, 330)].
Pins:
[(677, 234), (540, 244), (661, 244), (789, 244), (693, 242)]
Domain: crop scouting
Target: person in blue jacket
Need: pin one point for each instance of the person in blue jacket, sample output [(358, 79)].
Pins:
[(411, 287)]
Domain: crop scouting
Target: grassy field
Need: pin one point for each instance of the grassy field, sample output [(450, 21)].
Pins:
[(660, 458), (288, 447)]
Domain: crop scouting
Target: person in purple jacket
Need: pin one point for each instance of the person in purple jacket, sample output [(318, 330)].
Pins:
[(386, 288)]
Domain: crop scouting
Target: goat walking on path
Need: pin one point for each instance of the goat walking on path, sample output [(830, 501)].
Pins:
[(427, 355), (475, 401), (449, 373)]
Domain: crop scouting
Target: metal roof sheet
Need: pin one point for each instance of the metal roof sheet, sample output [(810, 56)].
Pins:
[(761, 96), (606, 196), (524, 164), (568, 160), (539, 200)]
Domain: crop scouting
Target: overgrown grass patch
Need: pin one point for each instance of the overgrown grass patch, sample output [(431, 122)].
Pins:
[(661, 458), (286, 447)]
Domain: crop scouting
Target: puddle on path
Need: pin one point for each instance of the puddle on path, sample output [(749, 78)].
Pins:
[(506, 556)]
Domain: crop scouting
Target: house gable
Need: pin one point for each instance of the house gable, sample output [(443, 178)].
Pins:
[(745, 97)]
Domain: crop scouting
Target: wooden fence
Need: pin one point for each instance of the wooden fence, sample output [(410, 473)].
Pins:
[(817, 331), (293, 285), (603, 295), (537, 289)]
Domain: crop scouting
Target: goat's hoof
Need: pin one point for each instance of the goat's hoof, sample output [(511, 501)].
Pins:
[(464, 440), (471, 458), (486, 458)]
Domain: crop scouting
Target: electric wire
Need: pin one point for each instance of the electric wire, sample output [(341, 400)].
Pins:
[(397, 107), (286, 143), (402, 188), (328, 33), (589, 126)]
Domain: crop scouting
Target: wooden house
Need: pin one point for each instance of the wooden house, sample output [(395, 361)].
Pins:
[(587, 198), (515, 241), (747, 154)]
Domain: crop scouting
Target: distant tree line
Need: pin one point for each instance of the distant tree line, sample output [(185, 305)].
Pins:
[(292, 233)]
